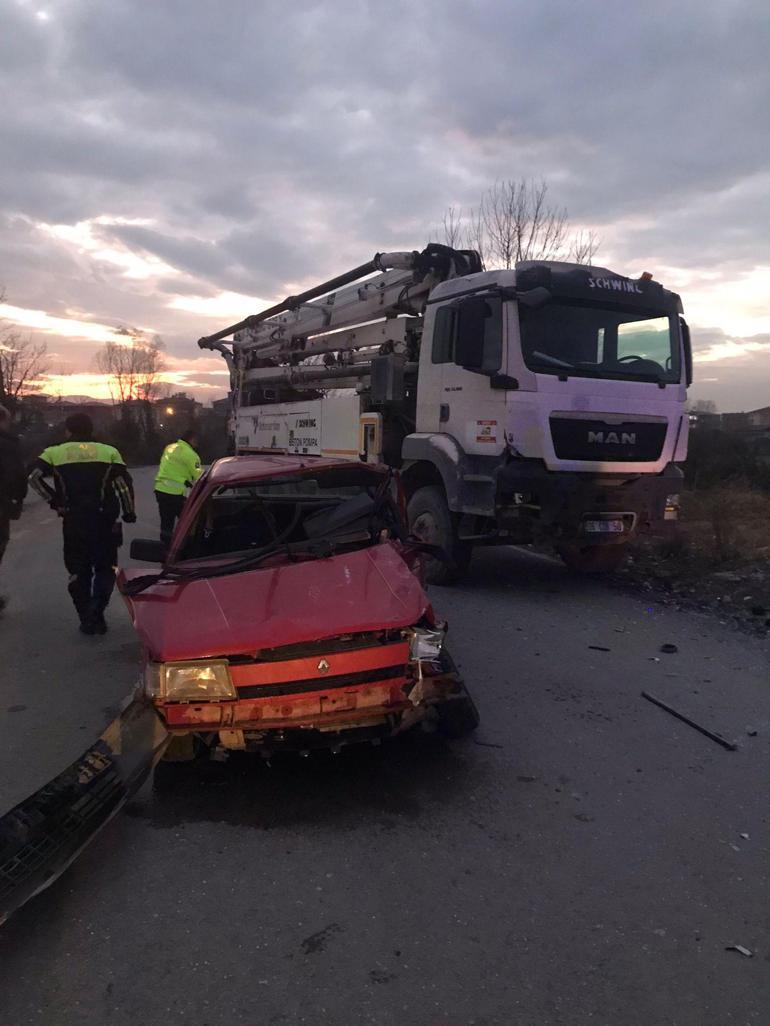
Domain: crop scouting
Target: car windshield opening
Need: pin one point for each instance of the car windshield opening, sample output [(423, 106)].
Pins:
[(306, 516), (590, 340)]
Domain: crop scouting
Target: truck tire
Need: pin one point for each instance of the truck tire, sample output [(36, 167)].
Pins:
[(593, 559), (430, 520)]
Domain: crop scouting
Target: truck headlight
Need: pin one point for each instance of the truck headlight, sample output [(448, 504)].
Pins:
[(425, 643), (194, 681)]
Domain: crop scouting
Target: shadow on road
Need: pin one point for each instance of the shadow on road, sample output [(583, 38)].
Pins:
[(505, 569), (404, 777)]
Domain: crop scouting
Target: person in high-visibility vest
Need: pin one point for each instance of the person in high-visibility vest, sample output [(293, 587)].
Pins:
[(180, 468), (91, 488)]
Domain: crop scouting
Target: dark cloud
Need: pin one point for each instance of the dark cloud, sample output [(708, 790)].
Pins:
[(265, 145)]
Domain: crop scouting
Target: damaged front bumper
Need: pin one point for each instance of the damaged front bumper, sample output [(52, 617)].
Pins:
[(41, 836), (339, 714)]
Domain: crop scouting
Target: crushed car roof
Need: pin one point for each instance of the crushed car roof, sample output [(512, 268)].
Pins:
[(245, 468)]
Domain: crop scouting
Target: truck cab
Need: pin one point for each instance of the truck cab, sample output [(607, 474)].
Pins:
[(550, 402)]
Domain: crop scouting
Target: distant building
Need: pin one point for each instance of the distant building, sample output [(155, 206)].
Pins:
[(41, 411), (759, 419), (179, 409)]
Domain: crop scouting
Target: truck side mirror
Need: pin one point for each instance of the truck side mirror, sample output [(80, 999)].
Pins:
[(534, 298), (469, 333), (687, 351)]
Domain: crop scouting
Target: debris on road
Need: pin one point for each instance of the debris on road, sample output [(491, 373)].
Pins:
[(740, 949), (599, 648), (691, 723), (745, 837), (41, 836), (668, 648)]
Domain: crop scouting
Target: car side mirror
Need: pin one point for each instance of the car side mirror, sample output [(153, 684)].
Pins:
[(148, 550)]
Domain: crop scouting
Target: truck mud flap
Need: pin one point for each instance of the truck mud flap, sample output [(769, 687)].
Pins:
[(41, 836)]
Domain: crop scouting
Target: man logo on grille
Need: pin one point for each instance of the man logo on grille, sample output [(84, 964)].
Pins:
[(323, 667), (612, 437)]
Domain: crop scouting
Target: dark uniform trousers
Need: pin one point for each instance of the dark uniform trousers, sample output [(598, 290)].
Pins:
[(91, 542), (170, 508)]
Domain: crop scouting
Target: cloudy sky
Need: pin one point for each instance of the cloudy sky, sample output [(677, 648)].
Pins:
[(173, 166)]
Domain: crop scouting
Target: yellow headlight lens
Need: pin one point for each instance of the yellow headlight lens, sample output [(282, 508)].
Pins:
[(196, 681)]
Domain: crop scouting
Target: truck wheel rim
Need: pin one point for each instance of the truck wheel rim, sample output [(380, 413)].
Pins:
[(425, 528)]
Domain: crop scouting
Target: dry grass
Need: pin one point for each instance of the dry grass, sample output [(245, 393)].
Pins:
[(729, 525)]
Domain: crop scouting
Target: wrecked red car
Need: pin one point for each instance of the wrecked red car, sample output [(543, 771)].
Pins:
[(290, 614)]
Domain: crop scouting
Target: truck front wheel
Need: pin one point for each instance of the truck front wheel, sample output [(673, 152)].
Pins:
[(430, 520), (593, 559)]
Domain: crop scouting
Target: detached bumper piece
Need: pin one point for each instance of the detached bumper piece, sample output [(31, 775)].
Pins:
[(41, 836)]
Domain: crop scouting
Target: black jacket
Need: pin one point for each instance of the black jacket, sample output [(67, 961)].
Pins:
[(13, 479)]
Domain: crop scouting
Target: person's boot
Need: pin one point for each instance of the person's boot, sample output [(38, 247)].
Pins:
[(99, 624), (87, 626)]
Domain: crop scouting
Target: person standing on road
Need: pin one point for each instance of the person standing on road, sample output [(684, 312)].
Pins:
[(13, 483), (180, 468), (91, 488)]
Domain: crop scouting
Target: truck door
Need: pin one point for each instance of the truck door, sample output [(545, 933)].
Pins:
[(469, 342)]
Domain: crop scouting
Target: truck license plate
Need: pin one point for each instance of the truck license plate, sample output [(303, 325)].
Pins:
[(604, 526)]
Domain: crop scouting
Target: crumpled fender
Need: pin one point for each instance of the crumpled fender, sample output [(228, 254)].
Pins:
[(42, 835)]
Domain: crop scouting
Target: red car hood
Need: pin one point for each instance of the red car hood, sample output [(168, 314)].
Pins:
[(371, 589)]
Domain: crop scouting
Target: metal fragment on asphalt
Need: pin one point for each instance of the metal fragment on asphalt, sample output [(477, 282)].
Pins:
[(740, 949), (691, 723)]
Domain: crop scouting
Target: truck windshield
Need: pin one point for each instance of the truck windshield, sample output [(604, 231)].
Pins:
[(590, 340)]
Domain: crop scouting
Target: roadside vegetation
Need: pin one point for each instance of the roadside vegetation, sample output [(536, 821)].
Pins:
[(718, 554)]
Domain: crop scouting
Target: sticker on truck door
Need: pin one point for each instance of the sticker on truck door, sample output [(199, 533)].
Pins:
[(486, 430)]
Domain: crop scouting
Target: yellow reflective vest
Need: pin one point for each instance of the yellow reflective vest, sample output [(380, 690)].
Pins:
[(180, 467)]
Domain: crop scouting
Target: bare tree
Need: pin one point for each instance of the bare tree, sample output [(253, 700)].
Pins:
[(132, 369), (585, 245), (475, 236), (707, 406), (514, 221), (22, 363)]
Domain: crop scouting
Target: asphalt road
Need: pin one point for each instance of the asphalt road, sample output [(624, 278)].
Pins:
[(585, 859)]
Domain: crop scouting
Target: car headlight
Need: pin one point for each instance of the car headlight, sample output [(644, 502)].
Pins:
[(425, 643), (193, 681)]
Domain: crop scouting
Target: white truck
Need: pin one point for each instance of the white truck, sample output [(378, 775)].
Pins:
[(540, 404)]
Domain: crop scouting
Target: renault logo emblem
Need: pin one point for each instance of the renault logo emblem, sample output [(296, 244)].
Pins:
[(323, 667)]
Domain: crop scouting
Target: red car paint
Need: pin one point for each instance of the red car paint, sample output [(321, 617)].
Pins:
[(348, 610), (370, 589)]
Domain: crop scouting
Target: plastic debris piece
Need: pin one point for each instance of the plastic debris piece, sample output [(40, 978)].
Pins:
[(740, 949), (745, 837)]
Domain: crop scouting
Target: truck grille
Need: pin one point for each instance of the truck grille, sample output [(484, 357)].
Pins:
[(596, 440)]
